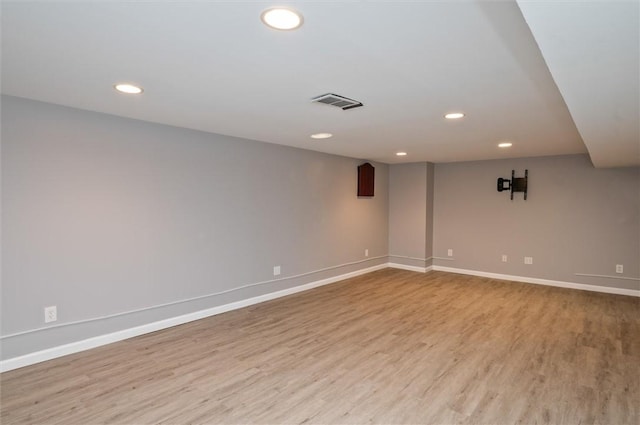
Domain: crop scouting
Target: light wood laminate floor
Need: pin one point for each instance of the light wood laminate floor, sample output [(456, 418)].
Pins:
[(388, 347)]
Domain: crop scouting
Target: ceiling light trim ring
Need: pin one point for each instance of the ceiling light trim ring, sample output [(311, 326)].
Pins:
[(128, 88), (285, 13), (321, 135)]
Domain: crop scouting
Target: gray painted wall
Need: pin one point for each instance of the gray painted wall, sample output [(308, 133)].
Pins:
[(429, 211), (577, 219), (104, 215), (411, 213), (407, 213), (107, 216)]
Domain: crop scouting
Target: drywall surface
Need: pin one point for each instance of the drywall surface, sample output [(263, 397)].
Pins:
[(116, 221), (411, 214), (429, 213), (577, 220)]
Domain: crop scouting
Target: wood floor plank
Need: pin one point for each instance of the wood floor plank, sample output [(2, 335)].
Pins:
[(391, 346)]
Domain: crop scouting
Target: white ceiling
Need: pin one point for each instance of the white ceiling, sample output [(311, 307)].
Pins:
[(213, 66), (593, 52)]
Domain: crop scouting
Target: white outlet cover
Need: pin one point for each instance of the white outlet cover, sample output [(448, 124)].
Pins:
[(276, 270), (450, 252), (50, 314), (619, 268), (504, 258), (528, 260), (366, 252)]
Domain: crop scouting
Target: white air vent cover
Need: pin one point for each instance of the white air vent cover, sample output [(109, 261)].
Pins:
[(337, 100)]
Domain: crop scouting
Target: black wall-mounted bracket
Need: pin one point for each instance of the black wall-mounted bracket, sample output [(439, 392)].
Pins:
[(516, 184)]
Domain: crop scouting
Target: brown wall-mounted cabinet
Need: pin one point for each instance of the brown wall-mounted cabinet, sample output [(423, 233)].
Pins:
[(366, 179)]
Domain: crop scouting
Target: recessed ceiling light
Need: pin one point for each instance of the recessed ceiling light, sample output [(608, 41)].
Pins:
[(321, 135), (454, 115), (505, 145), (281, 18), (401, 153), (128, 88)]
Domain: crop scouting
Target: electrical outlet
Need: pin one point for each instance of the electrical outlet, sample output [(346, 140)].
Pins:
[(450, 252), (50, 314), (276, 270), (619, 268), (366, 252), (504, 258), (528, 260)]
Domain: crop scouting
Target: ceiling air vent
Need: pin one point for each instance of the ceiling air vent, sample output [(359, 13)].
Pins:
[(337, 100)]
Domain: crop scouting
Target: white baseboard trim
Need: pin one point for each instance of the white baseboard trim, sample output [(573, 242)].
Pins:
[(87, 344), (537, 281), (410, 268)]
